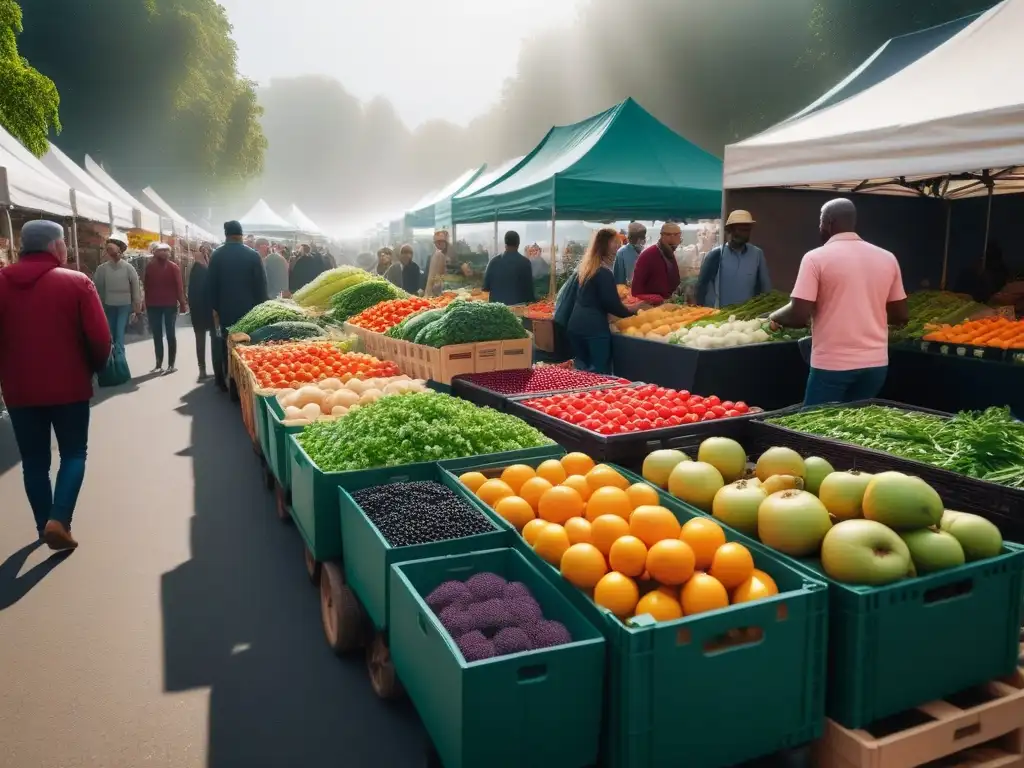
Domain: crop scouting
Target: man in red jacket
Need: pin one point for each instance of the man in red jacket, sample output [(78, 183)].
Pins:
[(53, 337), (657, 271)]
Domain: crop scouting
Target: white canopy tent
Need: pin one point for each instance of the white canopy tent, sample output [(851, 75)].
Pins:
[(70, 173), (302, 222), (261, 219), (147, 220), (182, 226), (951, 125)]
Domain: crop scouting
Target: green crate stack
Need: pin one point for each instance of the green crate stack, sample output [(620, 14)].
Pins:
[(539, 708), (368, 556), (680, 694), (314, 493), (277, 445), (260, 404)]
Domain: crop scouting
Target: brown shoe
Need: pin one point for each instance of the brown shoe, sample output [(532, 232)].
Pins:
[(57, 537)]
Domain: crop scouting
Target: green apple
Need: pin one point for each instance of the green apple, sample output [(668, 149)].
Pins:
[(659, 465), (979, 537), (842, 493), (736, 505), (933, 550), (793, 522), (865, 552), (817, 469), (902, 502), (725, 455)]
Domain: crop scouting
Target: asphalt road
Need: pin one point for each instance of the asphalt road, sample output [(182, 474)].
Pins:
[(183, 633)]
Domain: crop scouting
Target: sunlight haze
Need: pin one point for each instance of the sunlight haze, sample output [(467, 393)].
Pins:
[(433, 59)]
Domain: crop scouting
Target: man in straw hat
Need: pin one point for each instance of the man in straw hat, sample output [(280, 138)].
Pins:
[(438, 265), (657, 271), (736, 272), (627, 255)]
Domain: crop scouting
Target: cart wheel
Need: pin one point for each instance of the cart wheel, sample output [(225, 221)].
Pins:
[(340, 611), (268, 477), (383, 678), (312, 566), (282, 505)]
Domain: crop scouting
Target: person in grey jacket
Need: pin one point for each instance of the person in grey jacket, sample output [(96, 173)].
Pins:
[(117, 283), (736, 272)]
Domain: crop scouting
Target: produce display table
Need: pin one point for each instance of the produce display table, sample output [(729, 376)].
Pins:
[(767, 375), (951, 383)]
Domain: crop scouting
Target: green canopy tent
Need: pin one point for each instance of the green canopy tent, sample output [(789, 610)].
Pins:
[(421, 215), (446, 211), (621, 163)]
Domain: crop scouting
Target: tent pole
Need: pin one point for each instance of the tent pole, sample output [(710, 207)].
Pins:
[(988, 225), (554, 257), (495, 251), (725, 214), (10, 233), (74, 242), (945, 250)]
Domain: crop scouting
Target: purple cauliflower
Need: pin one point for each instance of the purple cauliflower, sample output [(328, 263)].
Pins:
[(490, 615), (516, 589), (449, 593), (512, 640), (548, 634), (485, 586), (524, 611), (475, 647), (457, 620)]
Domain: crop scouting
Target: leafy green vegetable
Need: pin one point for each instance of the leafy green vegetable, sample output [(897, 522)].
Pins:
[(411, 325), (286, 331), (268, 313), (354, 299), (748, 310), (987, 445), (405, 429), (464, 322)]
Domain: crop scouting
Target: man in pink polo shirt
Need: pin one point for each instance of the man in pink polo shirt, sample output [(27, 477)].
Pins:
[(853, 292)]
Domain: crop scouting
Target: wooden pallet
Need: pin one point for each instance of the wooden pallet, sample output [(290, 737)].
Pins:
[(980, 728)]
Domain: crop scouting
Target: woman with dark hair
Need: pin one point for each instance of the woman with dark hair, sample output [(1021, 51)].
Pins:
[(201, 312), (596, 298)]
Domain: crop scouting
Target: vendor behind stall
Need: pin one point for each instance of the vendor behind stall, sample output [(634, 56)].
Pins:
[(657, 271), (736, 272), (626, 258), (509, 276)]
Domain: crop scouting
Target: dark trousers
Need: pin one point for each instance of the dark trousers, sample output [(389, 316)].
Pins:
[(32, 427), (215, 350), (220, 355), (592, 353), (843, 386), (163, 320)]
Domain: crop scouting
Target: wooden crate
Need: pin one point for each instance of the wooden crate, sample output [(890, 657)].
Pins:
[(544, 335), (980, 728), (444, 364)]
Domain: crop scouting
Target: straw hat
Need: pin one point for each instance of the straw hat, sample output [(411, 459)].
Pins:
[(739, 217)]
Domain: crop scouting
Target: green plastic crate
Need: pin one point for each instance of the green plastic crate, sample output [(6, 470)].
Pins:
[(539, 708), (670, 702), (277, 445), (314, 494), (896, 647), (367, 555), (259, 415)]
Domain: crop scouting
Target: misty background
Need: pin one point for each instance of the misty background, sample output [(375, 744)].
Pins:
[(355, 113)]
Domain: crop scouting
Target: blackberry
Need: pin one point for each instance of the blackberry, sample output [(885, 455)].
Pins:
[(407, 514)]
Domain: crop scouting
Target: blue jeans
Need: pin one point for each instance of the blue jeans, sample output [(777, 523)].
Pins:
[(163, 320), (844, 386), (117, 319), (592, 353), (32, 426)]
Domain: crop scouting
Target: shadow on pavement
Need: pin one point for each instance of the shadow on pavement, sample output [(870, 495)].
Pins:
[(241, 618), (14, 587), (10, 457)]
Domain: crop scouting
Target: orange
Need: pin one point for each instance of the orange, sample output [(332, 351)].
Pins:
[(704, 536), (516, 510), (652, 524), (472, 480), (578, 530), (703, 593), (605, 529), (560, 503), (732, 565), (532, 528), (577, 463), (533, 489), (609, 501), (550, 543), (494, 491), (603, 475), (579, 482), (670, 562), (583, 566), (552, 471), (628, 556), (641, 494), (617, 593), (516, 475), (759, 586), (662, 606)]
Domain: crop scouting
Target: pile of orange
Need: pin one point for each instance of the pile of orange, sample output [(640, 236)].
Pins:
[(618, 543)]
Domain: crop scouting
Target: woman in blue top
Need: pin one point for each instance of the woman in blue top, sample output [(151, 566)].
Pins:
[(597, 297)]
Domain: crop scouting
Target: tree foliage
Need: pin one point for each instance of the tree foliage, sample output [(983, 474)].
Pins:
[(151, 88), (29, 101)]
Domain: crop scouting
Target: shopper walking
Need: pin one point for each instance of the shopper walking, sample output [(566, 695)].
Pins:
[(53, 338), (276, 267), (201, 312), (852, 291), (509, 275), (412, 276), (117, 284), (165, 297), (236, 282), (305, 269), (596, 298)]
